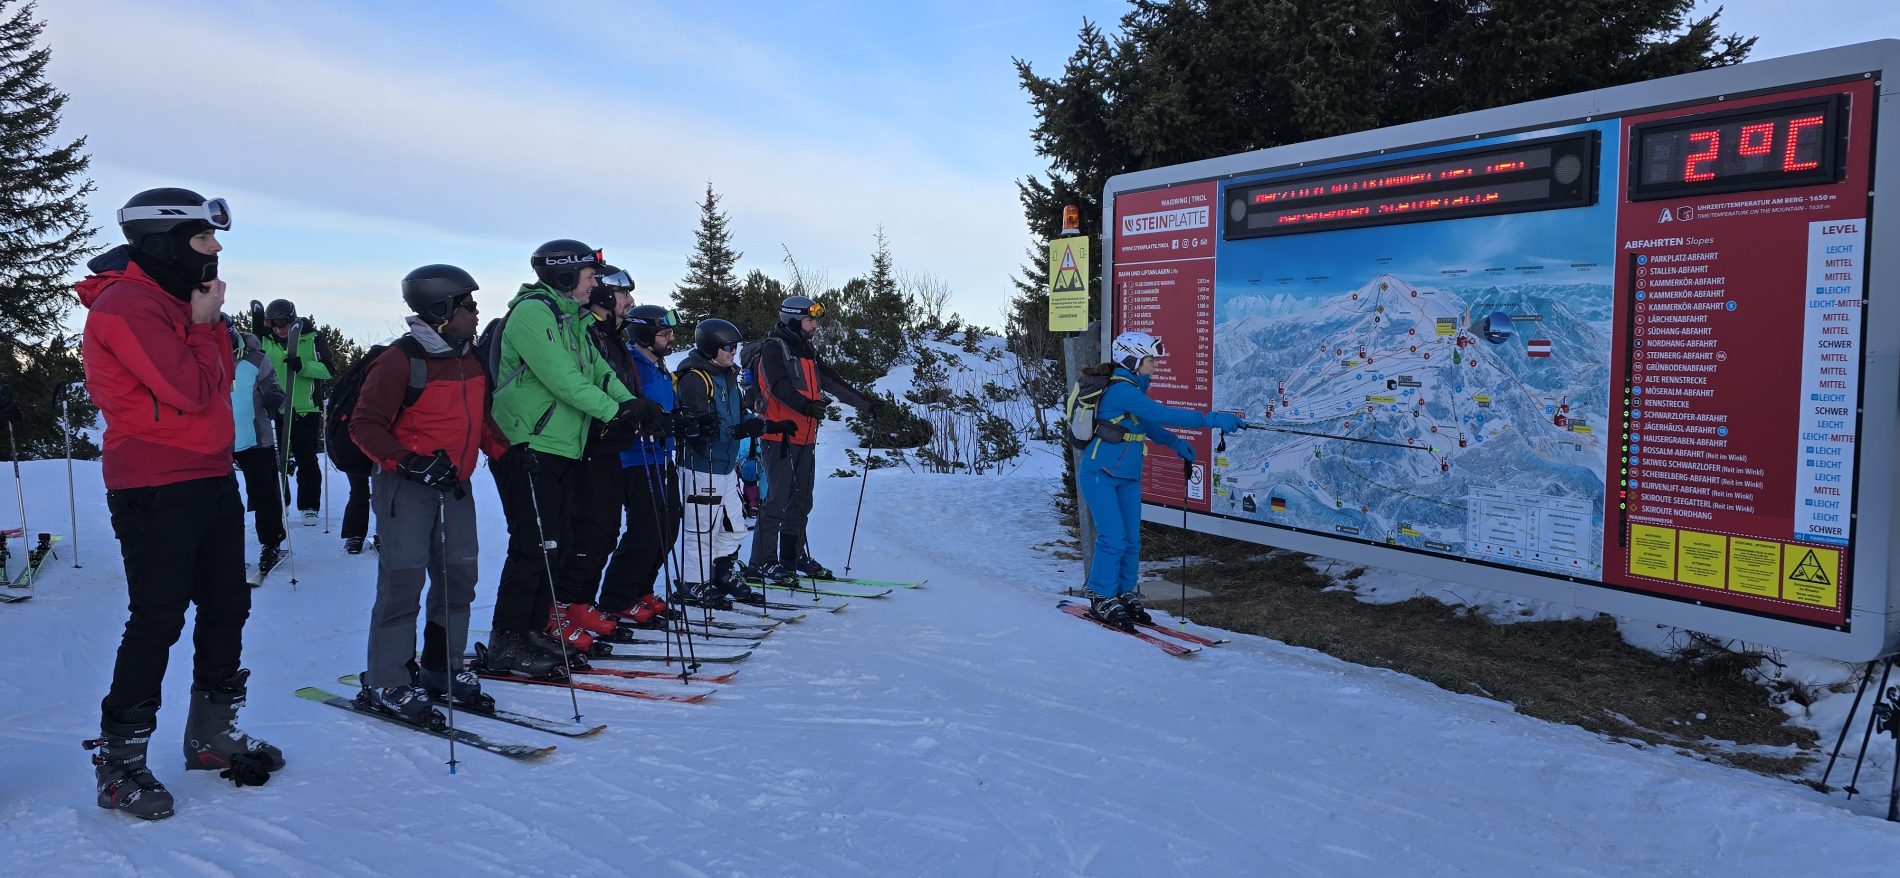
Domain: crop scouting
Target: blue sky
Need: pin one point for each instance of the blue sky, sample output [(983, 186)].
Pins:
[(358, 140)]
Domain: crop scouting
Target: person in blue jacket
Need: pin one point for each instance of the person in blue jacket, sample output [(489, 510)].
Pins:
[(651, 494), (1109, 474), (256, 400)]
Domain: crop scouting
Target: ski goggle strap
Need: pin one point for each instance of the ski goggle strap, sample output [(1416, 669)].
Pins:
[(215, 213)]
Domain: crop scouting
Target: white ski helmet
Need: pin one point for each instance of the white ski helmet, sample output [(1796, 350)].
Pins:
[(1130, 348)]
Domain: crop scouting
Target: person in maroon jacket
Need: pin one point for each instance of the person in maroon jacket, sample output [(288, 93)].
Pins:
[(422, 414), (159, 367)]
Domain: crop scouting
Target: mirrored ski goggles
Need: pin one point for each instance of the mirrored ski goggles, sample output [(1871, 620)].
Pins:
[(619, 280), (216, 213), (1161, 350)]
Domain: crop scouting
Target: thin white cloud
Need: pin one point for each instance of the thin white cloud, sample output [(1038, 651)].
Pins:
[(403, 142)]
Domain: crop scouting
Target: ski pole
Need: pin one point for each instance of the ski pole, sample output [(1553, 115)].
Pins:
[(680, 629), (547, 564), (863, 480), (450, 661), (72, 500), (19, 488), (1869, 733), (326, 470), (284, 482)]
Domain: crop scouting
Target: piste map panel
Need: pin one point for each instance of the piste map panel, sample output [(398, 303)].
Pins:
[(1458, 386)]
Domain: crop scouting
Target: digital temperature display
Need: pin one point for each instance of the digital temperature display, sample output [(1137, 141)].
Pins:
[(1774, 147), (1527, 175)]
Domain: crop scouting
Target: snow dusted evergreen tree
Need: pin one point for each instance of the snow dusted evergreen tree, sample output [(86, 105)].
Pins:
[(711, 285), (45, 231)]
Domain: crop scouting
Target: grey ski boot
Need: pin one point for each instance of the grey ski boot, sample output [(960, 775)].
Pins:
[(125, 783), (213, 742)]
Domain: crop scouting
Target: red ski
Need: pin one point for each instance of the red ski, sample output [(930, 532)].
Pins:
[(1179, 634), (1167, 646), (694, 698), (658, 675)]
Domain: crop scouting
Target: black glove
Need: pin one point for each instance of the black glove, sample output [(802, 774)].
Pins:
[(815, 408), (293, 362), (665, 425), (9, 410), (782, 428), (654, 421), (708, 424), (750, 428), (247, 770), (628, 415), (522, 456), (437, 472)]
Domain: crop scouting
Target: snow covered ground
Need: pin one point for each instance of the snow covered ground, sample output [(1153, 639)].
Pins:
[(963, 729)]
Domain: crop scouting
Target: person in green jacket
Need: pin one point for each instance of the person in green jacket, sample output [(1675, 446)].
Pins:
[(552, 386), (304, 373)]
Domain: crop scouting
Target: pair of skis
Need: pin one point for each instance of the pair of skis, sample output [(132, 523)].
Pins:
[(35, 558), (1143, 633)]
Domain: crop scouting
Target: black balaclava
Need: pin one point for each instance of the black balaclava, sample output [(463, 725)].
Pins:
[(167, 256)]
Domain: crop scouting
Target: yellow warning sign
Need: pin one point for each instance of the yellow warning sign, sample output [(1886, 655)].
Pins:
[(1754, 567), (1653, 551), (1069, 284), (1702, 559), (1808, 575)]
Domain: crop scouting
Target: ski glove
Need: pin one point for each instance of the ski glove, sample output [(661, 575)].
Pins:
[(522, 456), (782, 428), (247, 770), (750, 428), (1186, 451), (1226, 422), (294, 363), (9, 410), (815, 408), (436, 471)]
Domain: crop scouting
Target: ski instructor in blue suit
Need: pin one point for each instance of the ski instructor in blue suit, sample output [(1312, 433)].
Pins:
[(1109, 474)]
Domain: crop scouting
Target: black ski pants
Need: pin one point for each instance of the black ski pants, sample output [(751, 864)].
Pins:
[(593, 529), (652, 499), (522, 595), (183, 545), (356, 511), (780, 533), (306, 432), (259, 466)]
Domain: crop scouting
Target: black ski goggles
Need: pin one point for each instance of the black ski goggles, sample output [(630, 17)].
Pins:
[(216, 213), (619, 280)]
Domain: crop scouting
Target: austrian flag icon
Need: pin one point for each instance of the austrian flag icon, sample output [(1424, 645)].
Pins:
[(1537, 347)]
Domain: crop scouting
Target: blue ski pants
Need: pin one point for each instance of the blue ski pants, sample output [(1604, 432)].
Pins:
[(1116, 506)]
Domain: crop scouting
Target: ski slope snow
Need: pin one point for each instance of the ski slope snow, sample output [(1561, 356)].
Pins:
[(966, 728)]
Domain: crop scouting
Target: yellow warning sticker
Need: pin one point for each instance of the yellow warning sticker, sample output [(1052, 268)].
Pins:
[(1808, 575), (1702, 559), (1653, 551), (1754, 567)]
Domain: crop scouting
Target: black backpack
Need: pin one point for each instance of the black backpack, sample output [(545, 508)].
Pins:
[(488, 345), (751, 396), (344, 452)]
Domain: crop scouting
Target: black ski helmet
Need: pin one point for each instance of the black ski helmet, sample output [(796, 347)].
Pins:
[(796, 308), (609, 280), (646, 321), (432, 290), (180, 211), (159, 225), (558, 263), (712, 334), (280, 309)]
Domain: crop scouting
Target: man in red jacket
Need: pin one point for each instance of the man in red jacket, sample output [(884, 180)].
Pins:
[(422, 414), (159, 367)]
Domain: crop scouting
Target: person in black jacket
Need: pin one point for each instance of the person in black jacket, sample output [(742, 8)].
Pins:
[(582, 610), (794, 382)]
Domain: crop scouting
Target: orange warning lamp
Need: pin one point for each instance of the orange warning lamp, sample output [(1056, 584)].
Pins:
[(1071, 220)]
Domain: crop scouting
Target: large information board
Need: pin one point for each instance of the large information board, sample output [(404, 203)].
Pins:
[(1615, 349)]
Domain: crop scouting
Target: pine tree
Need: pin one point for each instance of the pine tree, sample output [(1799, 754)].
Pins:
[(711, 285), (45, 231), (872, 320)]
